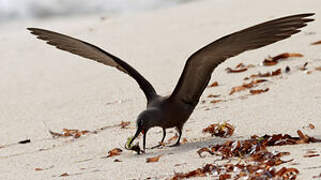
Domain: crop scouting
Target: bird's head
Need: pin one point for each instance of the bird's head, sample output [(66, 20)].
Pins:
[(146, 120)]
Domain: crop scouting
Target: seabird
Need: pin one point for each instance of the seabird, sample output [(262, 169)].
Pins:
[(175, 109)]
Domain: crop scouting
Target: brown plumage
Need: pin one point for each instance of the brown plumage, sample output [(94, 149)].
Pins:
[(174, 110)]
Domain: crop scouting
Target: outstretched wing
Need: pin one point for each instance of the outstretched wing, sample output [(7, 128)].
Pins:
[(95, 53), (200, 65)]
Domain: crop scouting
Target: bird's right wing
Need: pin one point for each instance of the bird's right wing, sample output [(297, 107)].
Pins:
[(199, 66), (86, 50)]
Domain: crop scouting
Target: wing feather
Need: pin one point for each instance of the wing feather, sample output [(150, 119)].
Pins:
[(89, 51), (200, 65)]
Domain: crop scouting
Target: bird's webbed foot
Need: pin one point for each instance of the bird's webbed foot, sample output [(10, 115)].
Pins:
[(161, 143), (175, 145), (179, 138)]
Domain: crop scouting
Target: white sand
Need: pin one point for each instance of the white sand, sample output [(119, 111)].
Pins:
[(45, 88)]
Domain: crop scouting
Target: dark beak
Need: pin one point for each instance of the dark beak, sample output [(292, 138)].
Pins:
[(132, 140)]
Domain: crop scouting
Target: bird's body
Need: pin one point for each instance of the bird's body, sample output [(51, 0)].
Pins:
[(166, 113), (172, 113), (175, 109)]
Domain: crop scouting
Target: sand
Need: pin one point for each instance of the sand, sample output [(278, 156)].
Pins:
[(45, 89)]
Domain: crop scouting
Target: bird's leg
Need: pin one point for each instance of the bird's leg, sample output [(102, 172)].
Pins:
[(179, 129), (144, 141), (161, 142)]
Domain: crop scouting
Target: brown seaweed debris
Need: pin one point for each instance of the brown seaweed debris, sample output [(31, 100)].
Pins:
[(267, 74), (222, 130), (258, 91), (257, 162), (75, 133), (270, 61), (124, 124), (245, 86), (153, 159), (316, 43), (114, 152), (214, 84), (239, 68)]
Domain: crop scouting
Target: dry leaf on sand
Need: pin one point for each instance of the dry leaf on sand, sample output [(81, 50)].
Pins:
[(316, 43), (220, 129), (258, 91), (214, 84), (153, 159), (114, 152), (270, 61)]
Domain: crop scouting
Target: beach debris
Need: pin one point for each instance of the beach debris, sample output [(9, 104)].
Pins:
[(153, 159), (309, 126), (75, 133), (117, 160), (245, 86), (318, 176), (318, 68), (114, 152), (245, 147), (239, 68), (267, 74), (204, 149), (26, 141), (214, 84), (216, 101), (184, 141), (287, 69), (64, 174), (255, 160), (304, 67), (258, 91), (42, 169), (230, 70), (220, 129), (135, 147), (310, 155), (213, 96), (173, 138), (124, 124), (276, 72), (176, 165), (247, 171), (316, 43), (199, 172), (271, 61)]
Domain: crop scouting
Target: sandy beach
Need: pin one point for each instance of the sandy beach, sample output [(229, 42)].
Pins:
[(46, 89)]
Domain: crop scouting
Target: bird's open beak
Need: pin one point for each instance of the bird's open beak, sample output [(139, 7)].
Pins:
[(132, 140)]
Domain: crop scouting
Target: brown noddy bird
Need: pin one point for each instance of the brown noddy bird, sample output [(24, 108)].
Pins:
[(174, 110)]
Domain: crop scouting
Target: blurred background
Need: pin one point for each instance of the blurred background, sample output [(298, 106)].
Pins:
[(26, 9)]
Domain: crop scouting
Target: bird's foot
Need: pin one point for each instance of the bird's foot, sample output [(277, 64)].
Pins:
[(175, 145), (160, 145)]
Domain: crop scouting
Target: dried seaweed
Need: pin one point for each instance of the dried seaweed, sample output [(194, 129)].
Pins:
[(271, 61), (222, 130), (114, 152), (153, 159), (245, 86), (257, 162)]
